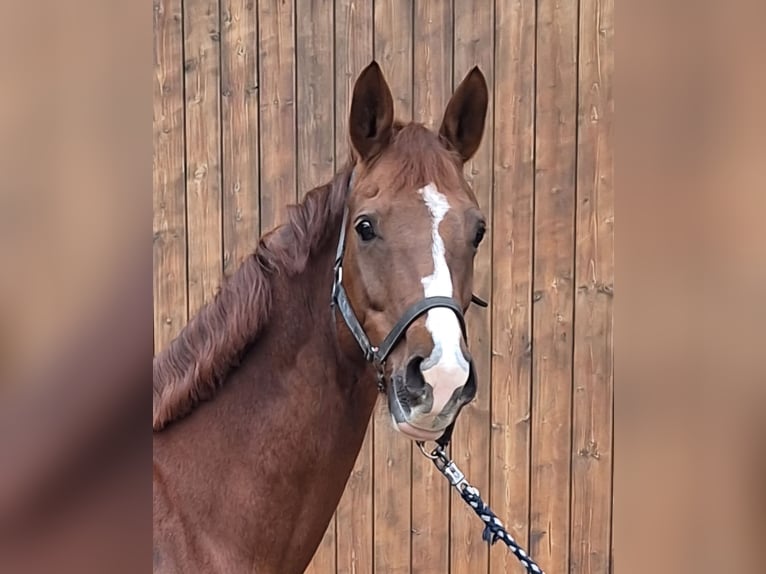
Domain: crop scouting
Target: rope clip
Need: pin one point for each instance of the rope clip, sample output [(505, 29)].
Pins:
[(445, 465)]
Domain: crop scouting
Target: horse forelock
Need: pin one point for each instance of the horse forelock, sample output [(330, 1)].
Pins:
[(192, 367)]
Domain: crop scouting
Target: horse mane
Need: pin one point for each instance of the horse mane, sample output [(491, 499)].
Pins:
[(191, 368)]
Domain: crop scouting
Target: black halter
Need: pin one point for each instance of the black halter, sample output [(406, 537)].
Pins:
[(378, 354)]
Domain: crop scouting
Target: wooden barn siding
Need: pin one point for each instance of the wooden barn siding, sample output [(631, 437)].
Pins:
[(250, 111)]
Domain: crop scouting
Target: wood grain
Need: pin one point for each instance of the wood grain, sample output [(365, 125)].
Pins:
[(555, 165), (169, 174), (592, 440), (354, 516), (473, 45), (203, 150), (431, 92), (393, 455), (315, 93), (276, 71), (513, 195), (239, 130), (315, 145)]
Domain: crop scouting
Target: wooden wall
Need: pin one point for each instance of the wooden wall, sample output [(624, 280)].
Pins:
[(250, 109)]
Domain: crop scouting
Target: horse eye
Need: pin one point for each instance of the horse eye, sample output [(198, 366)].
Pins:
[(479, 236), (365, 230)]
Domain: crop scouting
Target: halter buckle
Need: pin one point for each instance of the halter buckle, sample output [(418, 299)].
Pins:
[(379, 369)]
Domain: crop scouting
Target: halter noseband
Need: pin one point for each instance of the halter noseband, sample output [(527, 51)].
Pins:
[(379, 354)]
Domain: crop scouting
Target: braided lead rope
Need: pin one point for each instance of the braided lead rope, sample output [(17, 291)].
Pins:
[(493, 527)]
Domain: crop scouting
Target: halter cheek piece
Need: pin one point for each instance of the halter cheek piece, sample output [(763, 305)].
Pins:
[(378, 354)]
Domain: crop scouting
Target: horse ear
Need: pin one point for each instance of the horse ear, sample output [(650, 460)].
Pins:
[(463, 123), (372, 113)]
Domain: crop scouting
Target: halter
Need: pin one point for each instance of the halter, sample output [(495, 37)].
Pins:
[(377, 355)]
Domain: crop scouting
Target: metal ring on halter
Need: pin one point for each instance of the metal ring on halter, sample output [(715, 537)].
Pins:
[(422, 447)]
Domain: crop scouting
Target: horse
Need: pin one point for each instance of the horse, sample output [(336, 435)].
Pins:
[(261, 403)]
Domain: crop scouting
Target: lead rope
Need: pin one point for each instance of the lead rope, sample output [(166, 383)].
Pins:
[(493, 527)]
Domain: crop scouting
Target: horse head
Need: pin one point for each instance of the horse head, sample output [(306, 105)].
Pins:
[(405, 262)]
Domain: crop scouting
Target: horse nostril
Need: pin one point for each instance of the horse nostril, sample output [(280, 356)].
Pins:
[(414, 381)]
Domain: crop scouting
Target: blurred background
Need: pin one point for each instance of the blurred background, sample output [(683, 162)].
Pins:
[(84, 171)]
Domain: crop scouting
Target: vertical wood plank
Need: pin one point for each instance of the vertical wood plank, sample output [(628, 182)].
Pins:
[(555, 165), (276, 71), (393, 455), (592, 439), (203, 150), (354, 516), (473, 45), (513, 193), (315, 93), (239, 130), (431, 92), (169, 174), (315, 146)]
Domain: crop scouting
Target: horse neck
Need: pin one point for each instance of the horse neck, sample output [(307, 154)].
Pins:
[(292, 417), (325, 393)]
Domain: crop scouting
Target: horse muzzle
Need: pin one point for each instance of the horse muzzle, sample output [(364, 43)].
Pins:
[(424, 401)]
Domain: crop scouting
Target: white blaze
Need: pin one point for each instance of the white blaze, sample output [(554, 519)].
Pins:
[(446, 368)]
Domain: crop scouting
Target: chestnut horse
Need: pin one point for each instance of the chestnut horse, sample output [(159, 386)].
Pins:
[(262, 401)]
